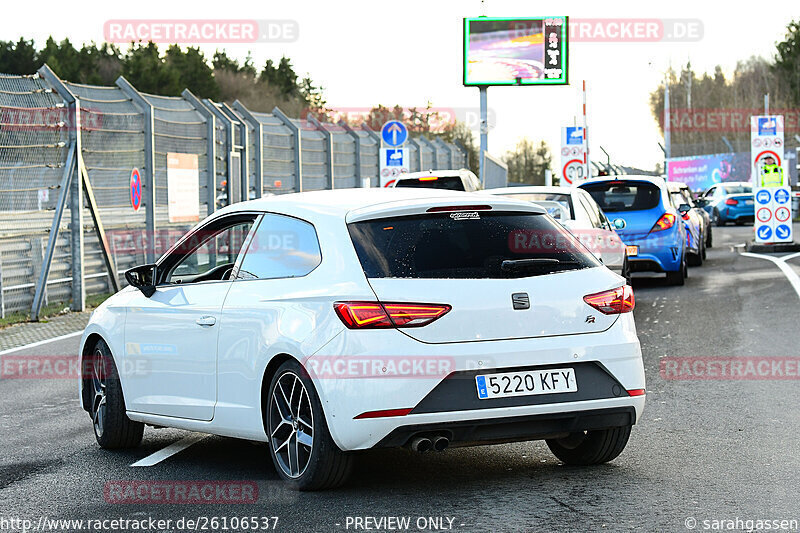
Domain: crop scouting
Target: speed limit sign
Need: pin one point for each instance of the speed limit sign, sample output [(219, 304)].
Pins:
[(573, 171)]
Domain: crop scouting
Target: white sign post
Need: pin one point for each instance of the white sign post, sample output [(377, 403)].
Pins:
[(573, 155), (769, 176), (183, 188), (393, 158)]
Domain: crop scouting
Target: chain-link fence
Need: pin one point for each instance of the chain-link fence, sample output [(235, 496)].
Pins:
[(34, 139), (240, 154)]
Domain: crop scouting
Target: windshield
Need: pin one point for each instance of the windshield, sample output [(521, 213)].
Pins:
[(737, 189), (562, 198), (466, 245), (618, 196)]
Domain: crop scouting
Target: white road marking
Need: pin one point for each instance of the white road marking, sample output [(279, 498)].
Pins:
[(39, 343), (787, 270), (790, 256), (170, 450)]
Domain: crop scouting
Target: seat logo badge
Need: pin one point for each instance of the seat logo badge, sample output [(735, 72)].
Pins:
[(590, 319), (520, 300)]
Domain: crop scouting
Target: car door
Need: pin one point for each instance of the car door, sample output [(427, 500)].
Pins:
[(172, 335), (272, 307)]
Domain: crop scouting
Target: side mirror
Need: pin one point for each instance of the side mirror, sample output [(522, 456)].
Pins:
[(701, 202), (143, 278), (684, 208)]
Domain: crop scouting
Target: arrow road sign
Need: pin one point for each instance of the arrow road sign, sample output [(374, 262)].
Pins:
[(764, 233), (394, 133), (782, 231)]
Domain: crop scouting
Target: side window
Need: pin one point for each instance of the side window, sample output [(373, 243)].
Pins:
[(282, 247), (211, 253), (709, 193)]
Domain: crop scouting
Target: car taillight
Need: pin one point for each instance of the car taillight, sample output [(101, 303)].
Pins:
[(685, 216), (666, 221), (363, 315), (731, 201), (613, 302)]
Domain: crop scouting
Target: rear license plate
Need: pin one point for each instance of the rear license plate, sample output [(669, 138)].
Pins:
[(526, 383), (631, 250), (748, 202)]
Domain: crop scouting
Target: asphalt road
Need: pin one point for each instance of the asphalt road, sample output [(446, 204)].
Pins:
[(704, 450)]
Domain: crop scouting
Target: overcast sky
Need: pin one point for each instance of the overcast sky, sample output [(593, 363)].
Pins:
[(410, 52)]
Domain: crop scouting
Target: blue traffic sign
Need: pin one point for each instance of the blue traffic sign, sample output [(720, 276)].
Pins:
[(764, 232), (783, 231), (394, 157), (781, 196), (763, 197), (574, 135), (394, 133)]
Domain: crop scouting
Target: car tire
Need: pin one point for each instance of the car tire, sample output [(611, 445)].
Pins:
[(703, 247), (590, 447), (112, 427), (717, 218), (317, 464), (709, 238), (698, 258), (679, 276)]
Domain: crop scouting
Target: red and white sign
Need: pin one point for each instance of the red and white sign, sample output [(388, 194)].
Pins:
[(782, 214), (764, 214), (573, 155), (136, 189)]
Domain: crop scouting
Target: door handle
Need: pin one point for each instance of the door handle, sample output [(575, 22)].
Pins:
[(206, 321)]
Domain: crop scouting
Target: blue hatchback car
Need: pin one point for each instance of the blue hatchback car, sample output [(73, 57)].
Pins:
[(729, 202), (652, 228)]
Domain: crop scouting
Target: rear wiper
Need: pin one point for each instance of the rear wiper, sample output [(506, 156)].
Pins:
[(517, 264)]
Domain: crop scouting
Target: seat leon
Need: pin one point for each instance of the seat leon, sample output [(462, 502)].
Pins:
[(329, 322)]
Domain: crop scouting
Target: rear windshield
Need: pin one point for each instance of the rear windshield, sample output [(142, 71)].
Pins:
[(451, 183), (737, 189), (564, 199), (628, 196), (467, 244)]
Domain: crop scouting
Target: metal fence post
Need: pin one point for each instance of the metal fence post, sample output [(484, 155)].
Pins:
[(149, 185), (298, 146), (72, 186), (258, 156), (419, 155), (225, 120), (329, 147), (444, 146), (211, 148), (357, 147), (432, 146), (244, 148)]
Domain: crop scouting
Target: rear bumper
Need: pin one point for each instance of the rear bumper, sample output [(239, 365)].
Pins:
[(515, 428), (659, 252), (738, 214), (615, 351)]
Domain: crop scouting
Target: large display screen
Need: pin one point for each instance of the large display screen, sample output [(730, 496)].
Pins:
[(515, 51)]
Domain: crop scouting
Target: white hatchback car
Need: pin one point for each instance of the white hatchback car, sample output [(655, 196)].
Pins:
[(577, 211), (334, 321)]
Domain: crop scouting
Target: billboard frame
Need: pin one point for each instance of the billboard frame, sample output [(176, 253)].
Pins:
[(564, 47)]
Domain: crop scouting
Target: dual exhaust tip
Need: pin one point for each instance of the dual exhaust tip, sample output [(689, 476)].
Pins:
[(424, 444)]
